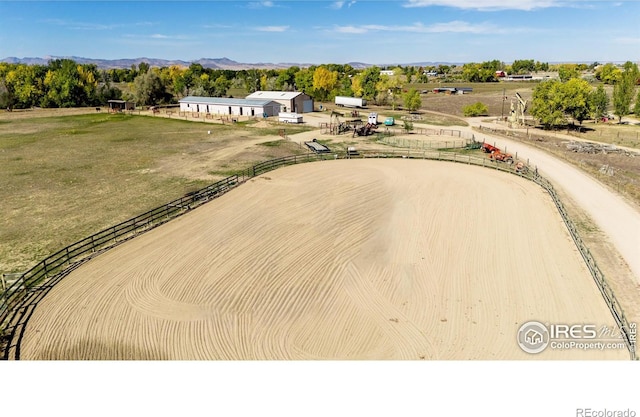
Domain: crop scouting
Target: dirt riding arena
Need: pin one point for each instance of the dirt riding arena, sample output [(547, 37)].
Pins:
[(346, 259)]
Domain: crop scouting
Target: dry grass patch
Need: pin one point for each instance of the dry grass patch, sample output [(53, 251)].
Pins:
[(66, 177)]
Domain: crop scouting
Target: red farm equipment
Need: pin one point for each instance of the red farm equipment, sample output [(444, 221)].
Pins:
[(495, 154)]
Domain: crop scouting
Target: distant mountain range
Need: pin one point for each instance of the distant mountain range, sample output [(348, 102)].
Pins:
[(215, 63)]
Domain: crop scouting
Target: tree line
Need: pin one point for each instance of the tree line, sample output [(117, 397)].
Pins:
[(557, 102), (65, 83)]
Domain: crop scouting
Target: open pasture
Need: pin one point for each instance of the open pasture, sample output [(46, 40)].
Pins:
[(66, 177)]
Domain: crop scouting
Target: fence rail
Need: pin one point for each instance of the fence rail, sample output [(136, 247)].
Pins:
[(19, 299), (419, 144)]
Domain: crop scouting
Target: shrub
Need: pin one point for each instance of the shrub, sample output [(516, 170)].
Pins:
[(408, 126), (475, 109)]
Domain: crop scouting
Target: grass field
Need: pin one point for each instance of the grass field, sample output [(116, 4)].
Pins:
[(64, 178)]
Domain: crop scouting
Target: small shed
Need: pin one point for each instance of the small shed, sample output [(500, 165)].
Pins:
[(120, 105)]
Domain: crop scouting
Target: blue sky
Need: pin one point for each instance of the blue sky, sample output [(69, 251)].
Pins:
[(372, 31)]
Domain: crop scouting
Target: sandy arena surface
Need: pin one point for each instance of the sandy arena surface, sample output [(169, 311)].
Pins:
[(361, 259)]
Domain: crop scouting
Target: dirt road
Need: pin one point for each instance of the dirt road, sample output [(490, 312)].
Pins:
[(613, 215)]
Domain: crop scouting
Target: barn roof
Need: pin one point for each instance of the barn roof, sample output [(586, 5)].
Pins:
[(225, 101), (275, 95)]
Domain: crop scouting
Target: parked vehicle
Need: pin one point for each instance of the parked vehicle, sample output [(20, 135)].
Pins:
[(350, 101), (289, 117)]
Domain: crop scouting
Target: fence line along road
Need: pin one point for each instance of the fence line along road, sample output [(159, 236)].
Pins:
[(19, 299)]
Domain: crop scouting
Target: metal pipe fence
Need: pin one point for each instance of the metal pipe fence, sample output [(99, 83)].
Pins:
[(19, 299)]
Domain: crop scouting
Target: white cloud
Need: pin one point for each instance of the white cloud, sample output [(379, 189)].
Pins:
[(488, 4), (82, 25), (456, 26), (260, 4), (350, 29), (157, 37), (339, 4), (272, 28)]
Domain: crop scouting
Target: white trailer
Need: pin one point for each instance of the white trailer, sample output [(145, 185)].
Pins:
[(285, 117), (350, 101)]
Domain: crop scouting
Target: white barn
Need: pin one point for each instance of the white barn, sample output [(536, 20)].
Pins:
[(291, 101), (229, 106)]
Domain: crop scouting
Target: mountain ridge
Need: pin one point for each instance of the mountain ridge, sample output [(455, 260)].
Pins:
[(214, 63)]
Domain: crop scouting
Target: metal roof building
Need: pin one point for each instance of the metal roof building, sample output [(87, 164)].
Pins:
[(291, 101), (230, 106)]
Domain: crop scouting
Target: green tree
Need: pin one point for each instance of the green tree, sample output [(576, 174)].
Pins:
[(608, 73), (407, 126), (575, 99), (64, 85), (368, 80), (106, 92), (412, 101), (389, 89), (251, 80), (409, 71), (598, 103), (480, 73), (143, 68), (623, 90), (304, 80), (523, 66), (546, 104), (25, 85), (6, 99), (636, 108), (541, 66), (554, 101), (173, 77), (286, 79), (149, 89), (475, 109), (567, 72), (220, 86)]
